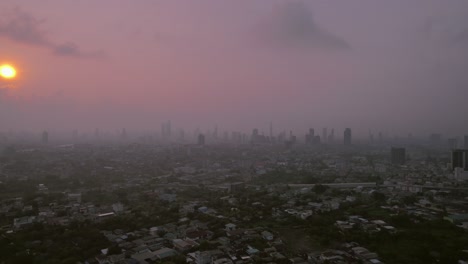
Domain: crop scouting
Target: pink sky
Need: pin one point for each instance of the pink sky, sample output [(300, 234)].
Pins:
[(397, 66)]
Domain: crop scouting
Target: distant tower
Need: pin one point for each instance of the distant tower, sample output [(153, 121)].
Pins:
[(271, 131), (460, 159), (45, 137), (124, 134), (201, 140), (324, 135), (347, 136), (331, 137), (181, 135), (435, 139), (452, 143), (398, 156), (163, 130), (166, 130), (255, 135), (215, 133), (169, 132), (309, 137)]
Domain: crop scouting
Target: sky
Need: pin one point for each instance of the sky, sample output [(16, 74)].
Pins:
[(395, 66)]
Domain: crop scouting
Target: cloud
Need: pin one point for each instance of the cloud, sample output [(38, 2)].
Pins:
[(24, 28), (293, 25), (71, 49)]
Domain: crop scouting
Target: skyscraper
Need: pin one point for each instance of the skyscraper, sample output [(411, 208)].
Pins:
[(166, 130), (271, 131), (452, 143), (45, 137), (435, 139), (123, 135), (398, 156), (331, 137), (347, 136), (324, 135), (460, 159), (201, 140), (309, 137)]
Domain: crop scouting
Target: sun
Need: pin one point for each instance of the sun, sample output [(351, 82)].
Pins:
[(7, 71)]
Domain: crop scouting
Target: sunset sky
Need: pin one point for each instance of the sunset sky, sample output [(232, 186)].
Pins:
[(397, 66)]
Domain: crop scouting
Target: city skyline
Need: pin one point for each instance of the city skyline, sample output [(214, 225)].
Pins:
[(240, 65)]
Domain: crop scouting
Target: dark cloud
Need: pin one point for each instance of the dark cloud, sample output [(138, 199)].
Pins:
[(293, 25), (71, 49), (24, 28)]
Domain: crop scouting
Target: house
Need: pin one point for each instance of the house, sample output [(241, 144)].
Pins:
[(198, 257), (457, 219), (267, 235), (24, 221), (230, 227), (183, 245), (74, 197), (145, 257), (165, 253)]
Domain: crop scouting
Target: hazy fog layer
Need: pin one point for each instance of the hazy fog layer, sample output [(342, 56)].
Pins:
[(397, 66)]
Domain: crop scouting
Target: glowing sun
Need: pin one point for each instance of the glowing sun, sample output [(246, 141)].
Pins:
[(7, 71)]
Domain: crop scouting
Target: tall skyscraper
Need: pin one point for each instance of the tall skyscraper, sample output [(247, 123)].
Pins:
[(163, 130), (166, 130), (452, 143), (201, 140), (460, 159), (271, 131), (45, 137), (398, 156), (215, 132), (435, 139), (169, 128), (347, 136), (123, 135), (309, 137), (331, 137), (324, 135)]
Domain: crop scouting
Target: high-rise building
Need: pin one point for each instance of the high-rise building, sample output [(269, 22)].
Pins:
[(309, 137), (45, 137), (271, 131), (331, 137), (435, 139), (201, 140), (324, 135), (460, 159), (465, 145), (124, 134), (398, 156), (166, 130), (452, 143), (215, 132), (169, 128), (347, 136)]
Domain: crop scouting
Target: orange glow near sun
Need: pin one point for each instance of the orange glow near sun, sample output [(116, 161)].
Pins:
[(7, 71)]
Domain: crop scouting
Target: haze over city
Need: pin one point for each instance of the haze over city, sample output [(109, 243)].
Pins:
[(392, 66), (233, 132)]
